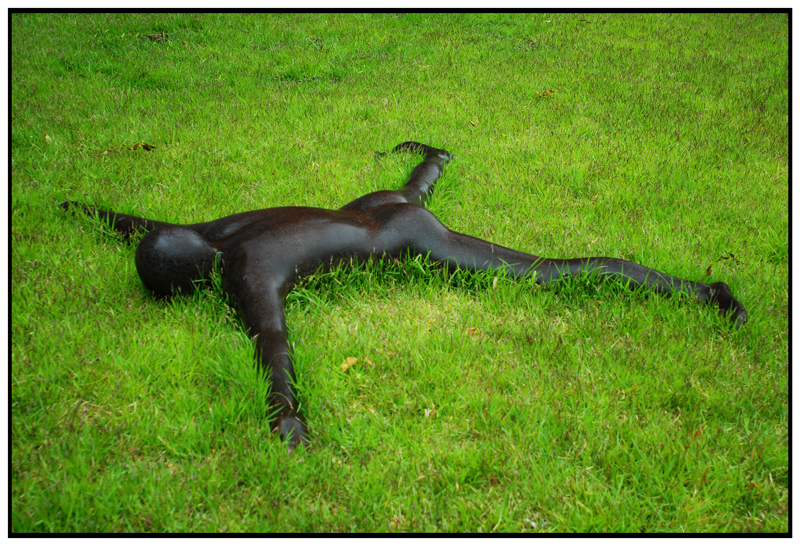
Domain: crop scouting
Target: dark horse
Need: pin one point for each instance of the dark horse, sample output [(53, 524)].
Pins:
[(262, 254)]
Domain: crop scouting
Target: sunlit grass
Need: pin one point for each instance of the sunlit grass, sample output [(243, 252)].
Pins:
[(476, 404)]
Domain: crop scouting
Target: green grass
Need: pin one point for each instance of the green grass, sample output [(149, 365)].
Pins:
[(475, 405)]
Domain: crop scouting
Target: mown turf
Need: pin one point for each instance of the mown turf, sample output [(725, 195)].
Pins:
[(476, 404)]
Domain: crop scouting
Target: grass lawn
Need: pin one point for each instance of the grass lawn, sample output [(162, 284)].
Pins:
[(477, 404)]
